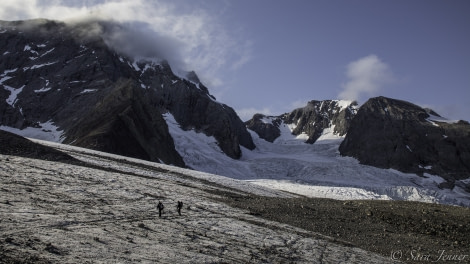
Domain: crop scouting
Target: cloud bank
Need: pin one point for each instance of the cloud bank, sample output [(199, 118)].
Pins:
[(246, 114), (367, 76), (190, 37)]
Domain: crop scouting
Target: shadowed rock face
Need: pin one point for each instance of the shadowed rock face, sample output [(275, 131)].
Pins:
[(390, 133), (268, 131), (123, 123), (101, 99), (311, 120)]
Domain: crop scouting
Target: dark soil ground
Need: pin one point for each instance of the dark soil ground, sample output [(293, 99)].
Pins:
[(412, 232)]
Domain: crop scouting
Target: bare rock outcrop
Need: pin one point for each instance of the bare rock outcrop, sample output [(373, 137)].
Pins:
[(390, 133)]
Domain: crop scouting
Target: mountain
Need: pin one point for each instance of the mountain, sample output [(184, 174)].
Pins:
[(399, 151), (383, 132), (71, 83), (390, 133), (309, 122)]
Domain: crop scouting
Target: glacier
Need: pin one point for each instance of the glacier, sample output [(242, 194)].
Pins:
[(106, 212), (289, 165), (312, 170)]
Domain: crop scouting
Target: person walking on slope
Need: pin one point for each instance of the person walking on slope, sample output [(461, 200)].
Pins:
[(179, 206), (160, 208)]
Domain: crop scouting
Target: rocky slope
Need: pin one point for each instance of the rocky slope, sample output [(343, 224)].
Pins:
[(310, 120), (70, 76), (389, 133)]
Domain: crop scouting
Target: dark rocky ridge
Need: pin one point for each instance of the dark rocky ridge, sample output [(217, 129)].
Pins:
[(102, 99), (14, 145), (389, 133), (311, 119)]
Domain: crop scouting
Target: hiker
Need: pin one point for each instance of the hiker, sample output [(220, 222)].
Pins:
[(179, 206), (160, 208)]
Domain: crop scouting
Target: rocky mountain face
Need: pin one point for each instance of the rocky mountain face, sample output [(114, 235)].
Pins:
[(384, 133), (99, 98), (311, 120), (390, 133)]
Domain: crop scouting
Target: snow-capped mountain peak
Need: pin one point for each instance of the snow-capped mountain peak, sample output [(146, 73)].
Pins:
[(307, 124)]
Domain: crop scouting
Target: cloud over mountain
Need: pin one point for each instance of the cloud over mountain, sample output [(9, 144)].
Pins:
[(190, 37), (367, 76)]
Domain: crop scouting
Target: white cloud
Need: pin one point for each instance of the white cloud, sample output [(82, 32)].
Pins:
[(297, 104), (245, 55), (246, 114), (367, 76), (202, 42), (449, 111)]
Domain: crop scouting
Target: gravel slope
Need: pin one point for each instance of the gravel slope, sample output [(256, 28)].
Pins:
[(404, 230)]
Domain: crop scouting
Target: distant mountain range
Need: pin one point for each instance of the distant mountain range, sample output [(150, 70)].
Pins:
[(59, 84)]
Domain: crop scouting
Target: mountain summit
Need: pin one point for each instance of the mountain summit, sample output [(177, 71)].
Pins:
[(308, 123), (71, 83), (390, 133)]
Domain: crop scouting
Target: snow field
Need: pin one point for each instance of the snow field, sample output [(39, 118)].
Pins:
[(45, 131)]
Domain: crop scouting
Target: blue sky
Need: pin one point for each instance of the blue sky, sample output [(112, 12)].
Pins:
[(302, 50), (271, 56)]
